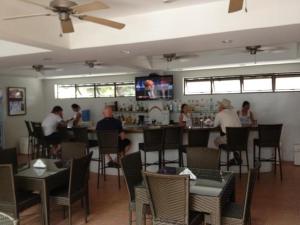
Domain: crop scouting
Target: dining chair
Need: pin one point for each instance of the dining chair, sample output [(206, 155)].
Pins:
[(131, 165), (77, 188), (203, 158), (153, 142), (31, 140), (9, 156), (172, 141), (236, 214), (108, 143), (268, 137), (72, 150), (6, 219), (169, 199), (237, 141), (12, 199), (196, 138)]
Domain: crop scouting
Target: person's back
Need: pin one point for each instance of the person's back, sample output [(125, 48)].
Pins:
[(227, 118), (50, 123), (109, 123)]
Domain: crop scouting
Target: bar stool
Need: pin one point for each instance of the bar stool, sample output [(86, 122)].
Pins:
[(153, 142), (196, 138), (81, 134), (268, 137), (237, 140), (172, 141), (31, 140), (41, 144)]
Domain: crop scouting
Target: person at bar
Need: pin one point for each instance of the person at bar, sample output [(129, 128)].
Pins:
[(111, 123), (245, 115), (226, 117), (185, 118), (77, 114)]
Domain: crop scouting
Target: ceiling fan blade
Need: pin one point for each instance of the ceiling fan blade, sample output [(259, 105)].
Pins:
[(37, 4), (67, 26), (102, 21), (96, 5), (235, 5), (27, 16)]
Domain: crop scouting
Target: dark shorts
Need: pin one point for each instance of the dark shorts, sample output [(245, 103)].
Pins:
[(123, 144), (54, 138)]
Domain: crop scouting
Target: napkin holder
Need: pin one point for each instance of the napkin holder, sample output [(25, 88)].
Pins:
[(39, 164), (188, 172)]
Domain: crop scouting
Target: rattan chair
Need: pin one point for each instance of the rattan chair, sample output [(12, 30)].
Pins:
[(203, 158), (237, 141), (13, 200), (31, 140), (196, 138), (153, 142), (7, 219), (172, 141), (132, 169), (108, 142), (73, 150), (77, 188), (9, 156), (268, 137), (236, 214), (169, 199)]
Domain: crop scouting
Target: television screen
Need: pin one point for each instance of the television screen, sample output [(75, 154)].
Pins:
[(154, 87)]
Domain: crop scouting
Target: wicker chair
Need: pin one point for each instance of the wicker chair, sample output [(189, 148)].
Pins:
[(235, 214), (237, 140), (7, 220), (172, 141), (132, 169), (72, 150), (269, 137), (108, 142), (153, 142), (9, 156), (12, 200), (31, 140), (169, 199), (77, 188), (203, 158)]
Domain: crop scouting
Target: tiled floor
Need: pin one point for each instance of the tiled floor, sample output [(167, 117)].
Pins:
[(273, 203)]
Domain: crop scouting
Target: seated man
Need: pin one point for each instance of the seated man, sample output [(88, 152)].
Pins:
[(110, 123), (227, 117)]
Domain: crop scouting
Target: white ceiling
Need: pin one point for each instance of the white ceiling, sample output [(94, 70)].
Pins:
[(187, 27)]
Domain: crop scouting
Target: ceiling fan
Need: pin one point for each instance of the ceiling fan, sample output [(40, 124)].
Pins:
[(94, 64), (65, 9), (169, 57)]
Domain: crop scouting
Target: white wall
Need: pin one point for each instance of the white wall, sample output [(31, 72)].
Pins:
[(14, 126), (267, 107)]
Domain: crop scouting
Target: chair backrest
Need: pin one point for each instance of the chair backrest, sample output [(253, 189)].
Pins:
[(38, 130), (9, 156), (79, 174), (132, 169), (173, 137), (169, 197), (252, 175), (72, 150), (153, 139), (198, 137), (8, 202), (108, 141), (203, 158), (29, 128), (81, 134), (269, 134), (237, 138), (65, 133), (6, 219)]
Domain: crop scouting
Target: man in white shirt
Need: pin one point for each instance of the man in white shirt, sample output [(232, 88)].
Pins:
[(50, 125), (226, 117)]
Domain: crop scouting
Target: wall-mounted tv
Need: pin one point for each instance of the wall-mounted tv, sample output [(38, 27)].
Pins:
[(154, 87)]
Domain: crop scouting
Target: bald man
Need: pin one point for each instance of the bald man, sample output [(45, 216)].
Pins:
[(110, 123)]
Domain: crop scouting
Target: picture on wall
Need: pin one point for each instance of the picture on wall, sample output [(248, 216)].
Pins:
[(16, 101)]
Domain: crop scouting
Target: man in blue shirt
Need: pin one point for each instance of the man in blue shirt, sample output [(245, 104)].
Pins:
[(111, 123)]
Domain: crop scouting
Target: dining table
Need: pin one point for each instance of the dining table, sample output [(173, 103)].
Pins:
[(43, 180), (211, 190)]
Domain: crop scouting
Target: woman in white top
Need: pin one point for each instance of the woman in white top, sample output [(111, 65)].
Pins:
[(185, 118), (77, 115), (245, 115)]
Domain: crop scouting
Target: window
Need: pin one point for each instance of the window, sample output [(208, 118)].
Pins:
[(197, 87), (85, 91), (287, 84), (222, 86), (65, 91), (105, 90), (125, 89), (262, 84)]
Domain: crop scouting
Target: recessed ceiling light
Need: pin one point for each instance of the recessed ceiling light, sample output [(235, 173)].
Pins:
[(227, 41), (127, 52)]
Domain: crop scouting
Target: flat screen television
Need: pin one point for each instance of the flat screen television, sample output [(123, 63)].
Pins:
[(154, 87)]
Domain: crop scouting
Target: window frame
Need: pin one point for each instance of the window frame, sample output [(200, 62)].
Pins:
[(257, 77), (103, 85), (237, 78), (66, 85), (84, 85), (285, 76), (123, 84), (196, 80)]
